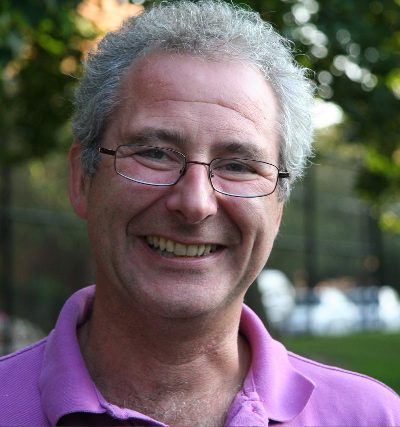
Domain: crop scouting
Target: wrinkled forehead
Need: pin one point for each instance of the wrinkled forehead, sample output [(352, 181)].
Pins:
[(240, 87)]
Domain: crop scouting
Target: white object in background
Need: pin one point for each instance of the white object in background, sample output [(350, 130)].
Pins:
[(329, 313), (278, 296), (389, 308)]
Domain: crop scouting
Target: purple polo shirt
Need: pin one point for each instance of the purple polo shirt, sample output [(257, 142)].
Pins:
[(48, 380)]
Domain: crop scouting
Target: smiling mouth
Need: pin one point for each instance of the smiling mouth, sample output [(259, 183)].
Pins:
[(167, 247)]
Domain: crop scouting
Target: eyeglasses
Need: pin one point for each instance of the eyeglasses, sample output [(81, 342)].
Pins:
[(160, 166)]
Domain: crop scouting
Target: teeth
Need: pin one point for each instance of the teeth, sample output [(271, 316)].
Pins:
[(162, 244), (170, 246), (200, 250), (179, 249), (191, 250)]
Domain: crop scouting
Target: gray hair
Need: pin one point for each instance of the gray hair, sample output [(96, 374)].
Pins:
[(212, 29)]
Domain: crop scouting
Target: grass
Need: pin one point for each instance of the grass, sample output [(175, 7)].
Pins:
[(373, 354)]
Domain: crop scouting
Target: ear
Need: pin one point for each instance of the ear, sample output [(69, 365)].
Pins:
[(79, 182)]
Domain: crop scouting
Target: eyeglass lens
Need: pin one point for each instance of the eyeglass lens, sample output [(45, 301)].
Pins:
[(164, 166)]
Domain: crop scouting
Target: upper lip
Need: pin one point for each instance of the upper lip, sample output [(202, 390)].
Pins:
[(184, 241)]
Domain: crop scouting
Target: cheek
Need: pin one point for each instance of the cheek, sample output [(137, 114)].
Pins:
[(112, 213), (106, 208), (255, 217), (264, 237), (259, 223)]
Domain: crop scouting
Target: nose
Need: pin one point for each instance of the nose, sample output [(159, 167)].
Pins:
[(193, 197)]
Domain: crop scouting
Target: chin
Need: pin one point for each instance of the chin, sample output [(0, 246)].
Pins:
[(186, 305), (179, 309)]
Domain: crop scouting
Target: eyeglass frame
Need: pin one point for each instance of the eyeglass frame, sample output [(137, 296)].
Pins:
[(110, 152)]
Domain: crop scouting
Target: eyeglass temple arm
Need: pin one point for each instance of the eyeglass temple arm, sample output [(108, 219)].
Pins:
[(106, 151), (283, 175)]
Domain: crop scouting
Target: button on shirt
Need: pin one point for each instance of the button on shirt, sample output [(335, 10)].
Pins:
[(47, 383)]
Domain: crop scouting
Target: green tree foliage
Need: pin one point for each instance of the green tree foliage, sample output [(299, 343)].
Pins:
[(363, 57), (40, 51), (354, 49)]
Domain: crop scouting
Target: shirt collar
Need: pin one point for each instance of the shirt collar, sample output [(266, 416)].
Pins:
[(273, 389), (65, 383)]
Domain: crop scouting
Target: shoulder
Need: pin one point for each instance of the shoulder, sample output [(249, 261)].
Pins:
[(345, 392), (23, 366), (30, 354), (323, 374), (19, 386)]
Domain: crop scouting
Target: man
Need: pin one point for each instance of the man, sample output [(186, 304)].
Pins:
[(192, 121)]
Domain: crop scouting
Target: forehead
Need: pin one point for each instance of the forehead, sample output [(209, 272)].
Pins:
[(190, 94)]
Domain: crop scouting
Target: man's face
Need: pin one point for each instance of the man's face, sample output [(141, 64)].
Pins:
[(215, 109)]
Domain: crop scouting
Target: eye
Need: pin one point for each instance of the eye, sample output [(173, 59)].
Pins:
[(238, 167), (153, 153), (156, 158), (232, 167)]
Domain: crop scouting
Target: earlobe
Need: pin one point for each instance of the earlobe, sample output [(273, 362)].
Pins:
[(78, 183)]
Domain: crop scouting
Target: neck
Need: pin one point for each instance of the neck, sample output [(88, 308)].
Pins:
[(166, 358)]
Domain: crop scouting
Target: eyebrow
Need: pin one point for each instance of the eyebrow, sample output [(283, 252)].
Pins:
[(242, 149), (153, 136)]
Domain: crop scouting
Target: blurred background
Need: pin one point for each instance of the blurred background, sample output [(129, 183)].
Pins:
[(331, 287)]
